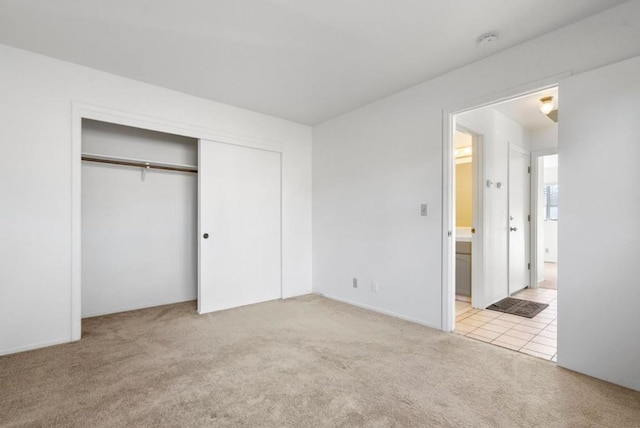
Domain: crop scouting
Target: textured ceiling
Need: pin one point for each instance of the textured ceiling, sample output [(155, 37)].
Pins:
[(300, 60)]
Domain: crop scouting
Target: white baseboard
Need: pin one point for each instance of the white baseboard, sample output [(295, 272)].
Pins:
[(291, 296), (32, 347), (328, 296), (374, 309), (135, 307)]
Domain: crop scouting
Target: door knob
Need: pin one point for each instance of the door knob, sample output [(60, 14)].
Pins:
[(205, 236), (513, 229)]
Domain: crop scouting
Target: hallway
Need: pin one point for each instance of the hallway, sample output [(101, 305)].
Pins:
[(550, 276), (536, 336)]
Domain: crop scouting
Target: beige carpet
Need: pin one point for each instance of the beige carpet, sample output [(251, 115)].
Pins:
[(304, 362)]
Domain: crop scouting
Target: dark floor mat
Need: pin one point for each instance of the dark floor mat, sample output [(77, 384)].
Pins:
[(519, 307)]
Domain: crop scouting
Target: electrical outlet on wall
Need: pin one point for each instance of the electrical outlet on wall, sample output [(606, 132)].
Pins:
[(374, 286), (355, 282), (546, 250)]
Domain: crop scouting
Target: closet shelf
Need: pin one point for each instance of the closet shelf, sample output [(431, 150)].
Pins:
[(138, 163)]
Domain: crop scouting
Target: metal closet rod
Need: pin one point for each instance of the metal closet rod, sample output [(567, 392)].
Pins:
[(137, 163)]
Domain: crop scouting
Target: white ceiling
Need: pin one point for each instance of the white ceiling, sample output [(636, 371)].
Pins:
[(301, 60), (526, 110)]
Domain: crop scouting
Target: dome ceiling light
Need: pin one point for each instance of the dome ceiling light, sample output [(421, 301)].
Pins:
[(546, 105)]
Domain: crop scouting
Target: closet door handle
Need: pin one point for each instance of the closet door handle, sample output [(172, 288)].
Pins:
[(205, 236)]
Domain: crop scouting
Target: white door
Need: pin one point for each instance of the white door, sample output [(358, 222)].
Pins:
[(239, 226), (519, 201)]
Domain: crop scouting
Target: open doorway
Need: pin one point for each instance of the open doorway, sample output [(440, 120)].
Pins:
[(468, 216), (548, 192), (464, 216), (513, 299)]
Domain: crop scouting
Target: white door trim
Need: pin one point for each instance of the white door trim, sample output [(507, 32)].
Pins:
[(477, 243), (448, 196), (528, 154), (81, 111)]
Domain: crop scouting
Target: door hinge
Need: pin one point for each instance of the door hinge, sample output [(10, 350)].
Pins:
[(529, 217), (528, 170), (528, 266), (449, 233)]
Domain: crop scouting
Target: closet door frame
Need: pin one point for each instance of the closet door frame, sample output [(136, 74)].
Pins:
[(81, 111)]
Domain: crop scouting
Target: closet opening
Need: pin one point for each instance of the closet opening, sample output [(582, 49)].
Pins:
[(139, 218)]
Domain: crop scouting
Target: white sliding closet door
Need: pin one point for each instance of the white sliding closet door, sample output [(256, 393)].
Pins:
[(240, 222)]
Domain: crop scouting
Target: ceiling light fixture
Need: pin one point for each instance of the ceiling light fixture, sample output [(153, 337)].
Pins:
[(546, 104)]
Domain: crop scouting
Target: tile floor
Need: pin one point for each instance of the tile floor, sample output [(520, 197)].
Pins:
[(535, 336)]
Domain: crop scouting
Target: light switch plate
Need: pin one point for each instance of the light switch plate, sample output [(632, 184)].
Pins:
[(423, 210)]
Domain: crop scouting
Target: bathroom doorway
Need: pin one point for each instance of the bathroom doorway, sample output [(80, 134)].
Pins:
[(468, 200)]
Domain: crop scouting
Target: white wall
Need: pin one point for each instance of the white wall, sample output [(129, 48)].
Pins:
[(374, 166), (498, 131), (598, 316), (551, 169), (139, 238), (35, 182), (134, 143), (550, 232), (544, 138)]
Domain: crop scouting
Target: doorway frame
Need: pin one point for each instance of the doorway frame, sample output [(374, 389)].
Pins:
[(477, 241), (448, 181), (81, 111), (528, 246), (535, 162)]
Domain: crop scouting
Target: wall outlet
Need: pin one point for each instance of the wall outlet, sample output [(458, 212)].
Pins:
[(355, 282), (546, 250), (374, 287)]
